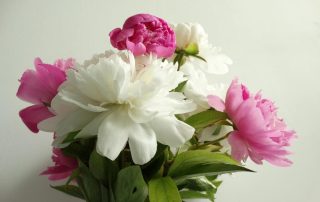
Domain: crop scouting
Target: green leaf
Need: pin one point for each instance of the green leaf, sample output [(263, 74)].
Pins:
[(70, 190), (89, 185), (197, 184), (73, 176), (206, 118), (70, 137), (189, 194), (103, 168), (180, 87), (163, 190), (130, 185), (153, 167), (192, 49), (202, 163), (80, 149), (199, 57)]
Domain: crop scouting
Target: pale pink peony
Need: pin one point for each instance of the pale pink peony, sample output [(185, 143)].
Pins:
[(38, 87), (144, 33), (63, 166), (259, 133)]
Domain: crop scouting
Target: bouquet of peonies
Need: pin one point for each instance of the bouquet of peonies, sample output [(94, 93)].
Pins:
[(150, 122)]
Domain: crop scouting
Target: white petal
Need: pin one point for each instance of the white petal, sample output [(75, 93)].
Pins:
[(140, 115), (50, 124), (113, 134), (92, 128), (61, 109), (173, 103), (57, 142), (143, 144), (182, 31), (82, 101), (217, 63), (170, 131), (74, 121)]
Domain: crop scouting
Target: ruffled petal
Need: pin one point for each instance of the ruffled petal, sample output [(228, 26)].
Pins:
[(239, 149)]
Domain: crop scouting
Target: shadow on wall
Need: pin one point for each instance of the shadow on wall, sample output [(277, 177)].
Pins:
[(36, 188)]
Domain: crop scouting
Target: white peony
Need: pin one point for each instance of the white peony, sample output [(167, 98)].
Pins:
[(109, 98), (194, 33), (198, 87)]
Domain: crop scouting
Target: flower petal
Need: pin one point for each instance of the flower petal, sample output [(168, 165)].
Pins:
[(113, 134), (216, 102), (143, 144), (170, 131), (239, 148), (34, 114), (92, 128)]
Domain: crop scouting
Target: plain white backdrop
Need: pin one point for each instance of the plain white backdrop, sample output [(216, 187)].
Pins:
[(275, 46)]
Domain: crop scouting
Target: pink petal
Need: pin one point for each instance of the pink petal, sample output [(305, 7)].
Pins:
[(31, 89), (136, 49), (216, 102), (248, 117), (64, 65), (239, 149), (51, 77), (277, 161), (34, 114), (234, 97)]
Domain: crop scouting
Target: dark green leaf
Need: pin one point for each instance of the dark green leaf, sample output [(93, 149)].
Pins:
[(202, 163), (103, 168), (70, 190), (199, 57), (80, 149), (130, 185), (180, 87), (70, 137), (89, 184), (73, 176), (163, 190), (152, 167), (206, 118)]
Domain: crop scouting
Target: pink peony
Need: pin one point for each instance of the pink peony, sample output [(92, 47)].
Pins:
[(38, 87), (63, 166), (144, 33), (258, 133)]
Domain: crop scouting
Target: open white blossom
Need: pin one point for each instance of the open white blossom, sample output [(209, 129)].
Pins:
[(194, 33), (198, 87), (109, 98)]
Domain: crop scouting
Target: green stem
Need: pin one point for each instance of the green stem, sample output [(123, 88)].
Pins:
[(210, 143)]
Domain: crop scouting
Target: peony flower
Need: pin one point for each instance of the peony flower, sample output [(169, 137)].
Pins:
[(193, 33), (38, 87), (110, 99), (259, 133), (63, 166), (198, 87), (144, 33)]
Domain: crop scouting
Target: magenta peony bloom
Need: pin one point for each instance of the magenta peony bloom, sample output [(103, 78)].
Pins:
[(38, 87), (259, 133), (144, 33), (63, 166)]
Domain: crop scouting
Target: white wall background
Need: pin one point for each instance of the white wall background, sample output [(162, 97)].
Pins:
[(275, 46)]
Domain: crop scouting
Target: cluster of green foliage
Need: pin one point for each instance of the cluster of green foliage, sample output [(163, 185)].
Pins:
[(168, 177)]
